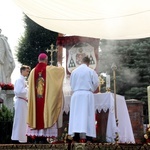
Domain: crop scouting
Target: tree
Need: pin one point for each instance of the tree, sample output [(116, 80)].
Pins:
[(132, 60), (36, 39)]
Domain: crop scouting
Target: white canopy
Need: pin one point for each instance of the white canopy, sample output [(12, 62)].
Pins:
[(104, 19)]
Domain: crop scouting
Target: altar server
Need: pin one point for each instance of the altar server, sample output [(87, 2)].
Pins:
[(84, 81), (20, 105)]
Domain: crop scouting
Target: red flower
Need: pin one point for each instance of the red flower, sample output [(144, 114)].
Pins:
[(8, 86)]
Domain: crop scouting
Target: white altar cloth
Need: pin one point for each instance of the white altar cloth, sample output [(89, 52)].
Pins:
[(105, 101)]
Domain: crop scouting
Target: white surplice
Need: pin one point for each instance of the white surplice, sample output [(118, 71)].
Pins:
[(84, 81), (48, 132), (20, 105)]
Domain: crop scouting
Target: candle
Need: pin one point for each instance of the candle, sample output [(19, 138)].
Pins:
[(107, 81), (148, 91)]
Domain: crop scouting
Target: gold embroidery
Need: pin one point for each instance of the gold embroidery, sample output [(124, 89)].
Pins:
[(40, 86)]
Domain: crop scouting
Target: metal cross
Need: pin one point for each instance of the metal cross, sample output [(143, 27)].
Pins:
[(101, 82), (51, 50)]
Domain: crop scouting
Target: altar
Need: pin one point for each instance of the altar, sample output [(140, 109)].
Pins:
[(105, 101)]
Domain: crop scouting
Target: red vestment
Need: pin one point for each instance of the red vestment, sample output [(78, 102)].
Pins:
[(40, 67)]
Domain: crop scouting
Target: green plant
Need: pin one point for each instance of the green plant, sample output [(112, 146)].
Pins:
[(5, 114), (6, 122)]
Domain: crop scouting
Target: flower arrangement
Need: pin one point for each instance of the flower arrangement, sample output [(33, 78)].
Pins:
[(147, 134), (8, 86)]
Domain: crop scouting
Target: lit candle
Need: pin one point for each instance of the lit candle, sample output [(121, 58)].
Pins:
[(107, 81)]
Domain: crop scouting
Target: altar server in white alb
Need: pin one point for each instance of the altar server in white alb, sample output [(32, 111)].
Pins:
[(84, 81), (20, 104)]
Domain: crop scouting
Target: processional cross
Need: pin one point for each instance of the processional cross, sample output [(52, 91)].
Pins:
[(51, 50)]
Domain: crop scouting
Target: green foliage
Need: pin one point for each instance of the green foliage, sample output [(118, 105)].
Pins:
[(36, 39), (5, 114), (6, 122)]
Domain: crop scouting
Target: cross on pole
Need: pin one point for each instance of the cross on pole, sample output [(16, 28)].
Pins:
[(51, 50)]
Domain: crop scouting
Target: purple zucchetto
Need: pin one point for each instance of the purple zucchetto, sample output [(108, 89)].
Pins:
[(42, 56)]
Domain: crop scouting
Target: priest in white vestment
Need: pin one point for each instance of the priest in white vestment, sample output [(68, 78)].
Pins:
[(20, 117), (84, 81)]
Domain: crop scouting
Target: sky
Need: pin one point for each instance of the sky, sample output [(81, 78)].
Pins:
[(12, 26)]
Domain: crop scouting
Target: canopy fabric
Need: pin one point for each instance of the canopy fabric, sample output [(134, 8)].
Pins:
[(69, 41), (104, 19)]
